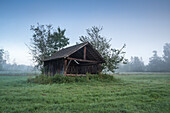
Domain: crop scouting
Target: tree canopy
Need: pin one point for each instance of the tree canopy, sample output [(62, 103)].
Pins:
[(1, 58), (112, 56), (156, 63), (135, 64), (46, 41)]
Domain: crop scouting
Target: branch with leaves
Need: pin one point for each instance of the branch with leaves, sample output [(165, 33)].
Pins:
[(112, 56), (45, 42)]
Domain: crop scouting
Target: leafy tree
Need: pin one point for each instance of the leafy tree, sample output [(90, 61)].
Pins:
[(156, 64), (112, 56), (137, 65), (166, 56), (45, 42), (2, 60)]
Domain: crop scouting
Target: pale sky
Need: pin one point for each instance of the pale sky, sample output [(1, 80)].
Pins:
[(143, 25)]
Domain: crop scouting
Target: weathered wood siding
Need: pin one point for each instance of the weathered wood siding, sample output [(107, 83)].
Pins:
[(54, 66)]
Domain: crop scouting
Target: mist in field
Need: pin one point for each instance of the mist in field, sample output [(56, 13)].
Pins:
[(7, 67), (156, 63)]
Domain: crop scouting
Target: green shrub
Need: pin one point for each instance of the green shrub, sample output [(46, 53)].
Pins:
[(44, 79), (101, 77)]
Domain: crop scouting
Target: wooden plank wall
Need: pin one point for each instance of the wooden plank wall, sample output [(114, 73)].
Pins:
[(54, 66)]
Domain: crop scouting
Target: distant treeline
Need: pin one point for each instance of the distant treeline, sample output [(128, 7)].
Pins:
[(156, 63), (4, 66), (15, 67)]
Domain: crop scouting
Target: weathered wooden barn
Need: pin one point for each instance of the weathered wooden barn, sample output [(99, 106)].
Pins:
[(75, 60)]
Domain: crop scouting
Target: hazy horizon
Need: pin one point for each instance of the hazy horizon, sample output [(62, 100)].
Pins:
[(143, 25)]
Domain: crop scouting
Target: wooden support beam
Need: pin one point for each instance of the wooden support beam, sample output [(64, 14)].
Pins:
[(85, 53), (68, 65), (65, 65), (82, 60), (100, 68)]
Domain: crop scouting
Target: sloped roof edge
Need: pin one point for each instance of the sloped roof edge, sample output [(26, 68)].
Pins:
[(65, 52)]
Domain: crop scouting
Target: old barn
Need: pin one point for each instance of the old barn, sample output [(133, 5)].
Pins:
[(78, 59)]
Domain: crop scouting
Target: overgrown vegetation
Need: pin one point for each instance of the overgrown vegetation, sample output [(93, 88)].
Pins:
[(44, 79), (133, 94)]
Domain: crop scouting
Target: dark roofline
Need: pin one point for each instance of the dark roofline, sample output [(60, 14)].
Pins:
[(82, 45), (71, 52)]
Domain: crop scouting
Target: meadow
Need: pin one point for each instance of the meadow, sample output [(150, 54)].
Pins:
[(129, 94)]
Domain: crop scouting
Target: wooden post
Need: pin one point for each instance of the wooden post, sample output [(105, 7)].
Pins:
[(68, 65), (65, 66), (85, 53), (100, 68)]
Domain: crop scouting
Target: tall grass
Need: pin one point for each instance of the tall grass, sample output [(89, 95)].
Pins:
[(132, 94), (44, 79)]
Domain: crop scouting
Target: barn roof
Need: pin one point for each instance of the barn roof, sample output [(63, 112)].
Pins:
[(66, 52)]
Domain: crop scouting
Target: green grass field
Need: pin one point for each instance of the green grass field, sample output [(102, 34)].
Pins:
[(131, 94)]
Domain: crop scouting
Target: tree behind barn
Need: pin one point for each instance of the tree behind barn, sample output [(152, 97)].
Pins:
[(112, 56), (46, 41)]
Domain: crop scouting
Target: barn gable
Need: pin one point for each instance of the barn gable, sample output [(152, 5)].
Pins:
[(78, 59)]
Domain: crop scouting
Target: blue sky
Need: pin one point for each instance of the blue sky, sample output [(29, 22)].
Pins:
[(143, 25)]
